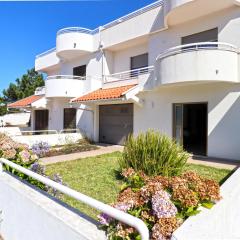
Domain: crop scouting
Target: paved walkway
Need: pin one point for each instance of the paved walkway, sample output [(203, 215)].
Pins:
[(214, 162), (103, 149)]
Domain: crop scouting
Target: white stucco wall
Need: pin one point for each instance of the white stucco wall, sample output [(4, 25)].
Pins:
[(51, 139), (56, 110), (93, 62), (85, 121), (28, 214), (140, 25), (122, 58), (223, 114), (227, 21)]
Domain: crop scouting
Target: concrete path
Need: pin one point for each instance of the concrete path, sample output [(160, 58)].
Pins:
[(214, 162), (103, 149)]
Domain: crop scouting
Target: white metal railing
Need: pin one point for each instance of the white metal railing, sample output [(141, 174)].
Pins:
[(34, 132), (46, 52), (75, 29), (68, 130), (66, 77), (108, 25), (128, 75), (128, 219), (113, 23), (198, 47), (134, 14)]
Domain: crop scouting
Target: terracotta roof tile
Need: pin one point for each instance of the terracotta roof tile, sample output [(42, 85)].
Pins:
[(25, 101), (104, 94)]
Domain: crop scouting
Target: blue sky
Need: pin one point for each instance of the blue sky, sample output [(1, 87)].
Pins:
[(29, 28)]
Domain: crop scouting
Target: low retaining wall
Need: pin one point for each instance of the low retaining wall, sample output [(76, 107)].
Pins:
[(219, 223), (52, 139), (28, 214)]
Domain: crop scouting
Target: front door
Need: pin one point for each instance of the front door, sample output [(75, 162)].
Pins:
[(190, 127), (41, 120)]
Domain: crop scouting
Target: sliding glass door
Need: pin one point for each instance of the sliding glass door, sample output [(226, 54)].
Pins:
[(190, 121), (178, 123)]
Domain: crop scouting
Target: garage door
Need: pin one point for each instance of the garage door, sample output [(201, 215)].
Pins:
[(115, 123)]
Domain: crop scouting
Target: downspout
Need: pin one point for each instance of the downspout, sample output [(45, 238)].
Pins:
[(100, 47)]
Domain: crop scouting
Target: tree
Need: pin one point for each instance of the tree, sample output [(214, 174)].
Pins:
[(3, 107), (23, 87)]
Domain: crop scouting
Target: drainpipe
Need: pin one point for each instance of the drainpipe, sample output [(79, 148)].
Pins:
[(101, 50)]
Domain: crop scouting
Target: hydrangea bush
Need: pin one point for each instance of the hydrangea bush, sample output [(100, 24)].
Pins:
[(16, 152), (163, 203), (23, 156)]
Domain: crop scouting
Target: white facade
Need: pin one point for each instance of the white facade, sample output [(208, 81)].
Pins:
[(204, 71)]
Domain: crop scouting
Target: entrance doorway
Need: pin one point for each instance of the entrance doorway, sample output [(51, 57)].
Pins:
[(41, 120), (69, 118), (190, 127)]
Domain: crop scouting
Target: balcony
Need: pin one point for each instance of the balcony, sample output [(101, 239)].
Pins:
[(73, 42), (46, 60), (136, 76), (198, 62), (64, 86), (179, 11)]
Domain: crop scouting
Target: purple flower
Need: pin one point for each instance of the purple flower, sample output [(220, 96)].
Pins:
[(104, 219), (162, 205), (40, 148), (38, 168)]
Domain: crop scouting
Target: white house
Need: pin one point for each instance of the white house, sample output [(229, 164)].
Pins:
[(173, 66)]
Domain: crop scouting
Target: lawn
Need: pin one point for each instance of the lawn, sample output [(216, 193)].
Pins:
[(97, 177)]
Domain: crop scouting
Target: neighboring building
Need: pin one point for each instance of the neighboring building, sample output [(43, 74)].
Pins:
[(134, 73)]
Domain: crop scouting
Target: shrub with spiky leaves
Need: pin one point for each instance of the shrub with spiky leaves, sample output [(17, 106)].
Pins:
[(154, 154)]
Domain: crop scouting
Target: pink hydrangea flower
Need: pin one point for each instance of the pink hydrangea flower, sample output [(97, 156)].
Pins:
[(162, 205)]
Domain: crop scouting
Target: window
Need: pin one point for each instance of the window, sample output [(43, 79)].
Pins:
[(206, 36), (139, 61), (80, 71)]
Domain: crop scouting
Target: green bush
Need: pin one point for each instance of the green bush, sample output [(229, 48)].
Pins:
[(154, 154)]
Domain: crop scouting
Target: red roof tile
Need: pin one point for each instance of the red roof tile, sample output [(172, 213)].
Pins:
[(103, 94), (25, 102)]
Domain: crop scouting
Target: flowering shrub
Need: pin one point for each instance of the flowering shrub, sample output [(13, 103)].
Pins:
[(154, 154), (163, 203), (40, 148), (23, 156), (16, 152)]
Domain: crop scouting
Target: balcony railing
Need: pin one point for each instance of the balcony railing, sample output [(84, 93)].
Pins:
[(198, 47), (126, 218), (128, 75), (46, 53), (113, 23), (66, 77), (77, 30)]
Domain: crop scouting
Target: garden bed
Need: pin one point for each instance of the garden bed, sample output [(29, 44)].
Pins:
[(98, 177), (42, 149)]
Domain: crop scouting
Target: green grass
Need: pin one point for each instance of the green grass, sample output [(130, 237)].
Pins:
[(97, 177)]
